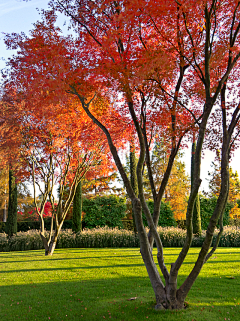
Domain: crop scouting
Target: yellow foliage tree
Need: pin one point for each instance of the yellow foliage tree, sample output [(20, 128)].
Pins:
[(234, 186), (178, 186)]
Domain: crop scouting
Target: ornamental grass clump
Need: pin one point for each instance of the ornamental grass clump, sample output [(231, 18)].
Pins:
[(106, 237), (66, 239), (172, 236), (112, 237), (23, 241), (4, 247), (230, 237)]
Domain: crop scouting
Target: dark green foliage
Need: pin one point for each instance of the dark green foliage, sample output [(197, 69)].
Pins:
[(2, 227), (196, 209), (11, 226), (207, 208), (166, 214), (104, 211), (77, 209), (24, 226)]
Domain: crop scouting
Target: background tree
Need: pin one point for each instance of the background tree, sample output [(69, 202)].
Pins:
[(96, 185), (4, 192), (177, 189), (51, 154), (214, 180), (215, 185), (133, 175), (197, 229), (77, 209), (11, 226)]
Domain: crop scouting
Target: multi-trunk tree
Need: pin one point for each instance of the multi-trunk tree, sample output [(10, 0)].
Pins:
[(55, 149), (162, 70)]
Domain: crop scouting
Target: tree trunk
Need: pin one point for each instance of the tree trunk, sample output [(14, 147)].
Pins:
[(50, 246), (166, 296)]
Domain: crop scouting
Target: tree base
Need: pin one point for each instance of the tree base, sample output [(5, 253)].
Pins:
[(177, 307)]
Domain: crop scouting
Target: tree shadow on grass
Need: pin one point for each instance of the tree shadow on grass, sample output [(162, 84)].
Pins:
[(53, 258), (97, 266), (107, 298)]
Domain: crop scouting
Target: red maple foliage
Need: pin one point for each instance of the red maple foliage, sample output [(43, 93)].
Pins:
[(140, 70)]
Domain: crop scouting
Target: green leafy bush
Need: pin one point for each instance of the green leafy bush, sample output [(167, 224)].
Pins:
[(2, 227), (104, 211), (207, 206), (166, 214)]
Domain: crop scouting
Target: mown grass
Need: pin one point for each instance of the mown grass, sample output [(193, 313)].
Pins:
[(95, 284)]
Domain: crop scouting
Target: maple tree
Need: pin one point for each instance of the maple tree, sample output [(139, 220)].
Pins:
[(158, 70), (58, 146), (193, 46)]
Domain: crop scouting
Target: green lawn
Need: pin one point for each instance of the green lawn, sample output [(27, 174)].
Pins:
[(95, 284)]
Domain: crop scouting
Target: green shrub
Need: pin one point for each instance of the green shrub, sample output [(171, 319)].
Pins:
[(2, 227), (166, 214), (104, 211), (207, 206)]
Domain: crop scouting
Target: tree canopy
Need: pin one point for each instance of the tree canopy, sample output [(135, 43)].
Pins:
[(137, 71)]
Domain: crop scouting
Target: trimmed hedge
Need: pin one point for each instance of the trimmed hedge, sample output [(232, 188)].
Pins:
[(107, 237), (166, 214), (23, 226), (104, 211), (207, 206)]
